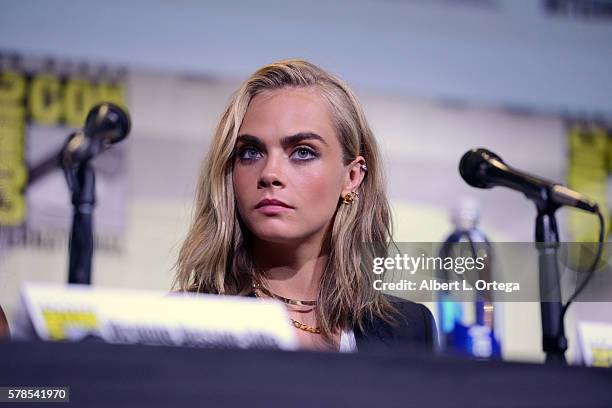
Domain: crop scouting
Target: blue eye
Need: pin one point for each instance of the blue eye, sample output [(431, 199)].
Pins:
[(249, 153), (304, 153)]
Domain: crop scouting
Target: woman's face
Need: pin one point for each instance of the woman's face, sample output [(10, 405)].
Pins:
[(288, 171)]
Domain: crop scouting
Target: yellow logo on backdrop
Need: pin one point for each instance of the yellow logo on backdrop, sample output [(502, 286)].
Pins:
[(59, 321), (589, 164), (51, 102), (45, 99), (13, 171)]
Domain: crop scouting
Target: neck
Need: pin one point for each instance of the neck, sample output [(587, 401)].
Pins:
[(291, 270)]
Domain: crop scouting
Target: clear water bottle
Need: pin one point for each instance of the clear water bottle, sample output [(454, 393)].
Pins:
[(468, 328)]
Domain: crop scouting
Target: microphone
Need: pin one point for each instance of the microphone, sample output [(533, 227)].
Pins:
[(106, 124), (482, 168)]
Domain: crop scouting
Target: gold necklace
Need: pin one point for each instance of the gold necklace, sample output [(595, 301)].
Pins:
[(302, 326), (293, 302), (296, 324)]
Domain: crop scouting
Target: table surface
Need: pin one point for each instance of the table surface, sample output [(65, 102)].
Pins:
[(103, 375)]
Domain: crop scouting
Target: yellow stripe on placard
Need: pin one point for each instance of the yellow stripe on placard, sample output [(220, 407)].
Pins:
[(602, 357), (58, 321)]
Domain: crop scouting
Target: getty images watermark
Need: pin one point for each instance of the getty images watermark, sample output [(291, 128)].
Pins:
[(458, 265), (497, 271)]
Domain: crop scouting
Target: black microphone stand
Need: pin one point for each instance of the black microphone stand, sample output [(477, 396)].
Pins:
[(482, 168), (82, 183), (106, 124), (554, 342)]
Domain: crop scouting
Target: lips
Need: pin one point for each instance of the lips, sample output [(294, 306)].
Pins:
[(271, 202)]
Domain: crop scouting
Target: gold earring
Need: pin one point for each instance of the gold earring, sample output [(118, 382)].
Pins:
[(350, 197)]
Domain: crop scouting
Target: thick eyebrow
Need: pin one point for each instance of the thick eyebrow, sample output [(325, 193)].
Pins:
[(285, 141), (249, 139), (300, 137)]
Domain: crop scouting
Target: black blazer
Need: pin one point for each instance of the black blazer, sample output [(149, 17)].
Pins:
[(414, 326)]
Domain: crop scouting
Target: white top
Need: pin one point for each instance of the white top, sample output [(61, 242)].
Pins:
[(348, 344)]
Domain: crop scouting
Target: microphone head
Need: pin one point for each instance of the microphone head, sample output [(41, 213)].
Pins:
[(473, 165), (107, 122)]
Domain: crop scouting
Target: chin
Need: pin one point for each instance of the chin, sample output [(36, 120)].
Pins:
[(279, 233), (278, 237)]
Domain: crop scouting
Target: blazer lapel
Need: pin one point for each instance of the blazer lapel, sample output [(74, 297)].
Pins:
[(376, 332)]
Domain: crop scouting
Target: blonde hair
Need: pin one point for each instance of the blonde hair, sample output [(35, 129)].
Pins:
[(215, 257)]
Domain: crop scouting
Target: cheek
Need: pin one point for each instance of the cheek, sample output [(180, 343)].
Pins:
[(242, 180), (319, 189)]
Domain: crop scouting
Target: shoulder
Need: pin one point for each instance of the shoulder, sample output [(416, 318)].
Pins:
[(411, 312), (415, 321), (413, 325), (4, 326)]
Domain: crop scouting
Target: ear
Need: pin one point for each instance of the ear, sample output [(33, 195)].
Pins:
[(355, 172)]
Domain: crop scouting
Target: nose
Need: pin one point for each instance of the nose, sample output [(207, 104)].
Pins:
[(272, 173)]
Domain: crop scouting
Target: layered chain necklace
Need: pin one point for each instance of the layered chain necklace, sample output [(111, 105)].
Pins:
[(261, 292)]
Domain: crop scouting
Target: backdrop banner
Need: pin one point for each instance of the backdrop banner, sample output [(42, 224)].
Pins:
[(42, 100)]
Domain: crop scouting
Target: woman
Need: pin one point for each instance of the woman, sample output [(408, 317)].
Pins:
[(290, 191)]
